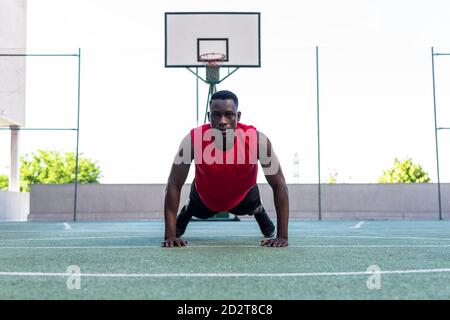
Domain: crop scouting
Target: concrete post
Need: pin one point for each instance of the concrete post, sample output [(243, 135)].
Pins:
[(14, 176)]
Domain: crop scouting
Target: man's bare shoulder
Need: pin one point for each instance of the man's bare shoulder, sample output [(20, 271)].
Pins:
[(263, 140), (185, 152)]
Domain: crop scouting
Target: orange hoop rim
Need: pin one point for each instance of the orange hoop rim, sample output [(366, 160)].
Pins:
[(212, 58)]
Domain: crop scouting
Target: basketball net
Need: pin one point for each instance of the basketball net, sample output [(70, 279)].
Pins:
[(212, 61)]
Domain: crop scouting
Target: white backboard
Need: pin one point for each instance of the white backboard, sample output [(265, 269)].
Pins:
[(235, 34)]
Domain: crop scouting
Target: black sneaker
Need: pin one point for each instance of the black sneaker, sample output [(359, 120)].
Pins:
[(182, 221), (265, 224)]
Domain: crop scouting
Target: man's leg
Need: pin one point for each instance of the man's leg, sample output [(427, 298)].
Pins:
[(251, 205), (194, 207), (183, 220), (265, 224)]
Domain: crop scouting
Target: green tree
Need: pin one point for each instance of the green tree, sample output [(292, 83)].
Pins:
[(332, 177), (49, 167), (405, 171), (3, 182)]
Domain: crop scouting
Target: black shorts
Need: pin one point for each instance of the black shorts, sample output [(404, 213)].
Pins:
[(250, 205)]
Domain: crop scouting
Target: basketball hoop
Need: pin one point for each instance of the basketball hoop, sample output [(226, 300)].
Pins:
[(212, 61)]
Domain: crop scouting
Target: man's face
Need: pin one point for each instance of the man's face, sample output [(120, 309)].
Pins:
[(223, 114)]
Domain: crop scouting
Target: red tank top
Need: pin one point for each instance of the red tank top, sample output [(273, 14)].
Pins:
[(223, 178)]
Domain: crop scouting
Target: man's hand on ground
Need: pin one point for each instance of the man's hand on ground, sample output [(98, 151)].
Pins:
[(277, 242), (174, 242)]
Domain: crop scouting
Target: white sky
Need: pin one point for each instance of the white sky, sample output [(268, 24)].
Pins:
[(375, 85)]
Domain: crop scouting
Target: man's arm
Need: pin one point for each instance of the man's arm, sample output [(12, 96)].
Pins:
[(177, 177), (275, 178)]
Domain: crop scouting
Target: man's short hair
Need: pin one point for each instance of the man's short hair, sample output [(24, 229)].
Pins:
[(224, 95)]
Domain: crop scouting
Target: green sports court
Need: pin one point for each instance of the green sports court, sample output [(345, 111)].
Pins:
[(324, 260)]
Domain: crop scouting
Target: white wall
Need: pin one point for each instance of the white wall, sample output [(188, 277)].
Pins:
[(339, 201), (14, 206), (13, 23)]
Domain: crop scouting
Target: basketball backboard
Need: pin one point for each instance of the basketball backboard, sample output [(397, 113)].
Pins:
[(236, 35)]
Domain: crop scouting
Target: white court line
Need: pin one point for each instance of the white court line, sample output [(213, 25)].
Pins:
[(239, 246), (231, 236), (200, 229), (74, 231), (67, 226), (220, 275), (376, 237), (358, 225), (75, 238)]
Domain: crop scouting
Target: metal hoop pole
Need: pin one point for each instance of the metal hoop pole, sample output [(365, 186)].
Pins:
[(211, 91), (78, 138), (196, 88), (436, 134), (318, 133)]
